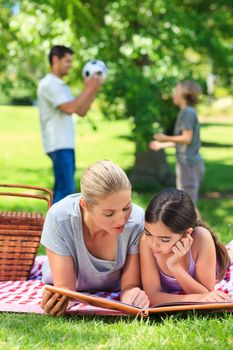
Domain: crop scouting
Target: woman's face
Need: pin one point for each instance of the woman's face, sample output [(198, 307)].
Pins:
[(112, 212), (160, 238)]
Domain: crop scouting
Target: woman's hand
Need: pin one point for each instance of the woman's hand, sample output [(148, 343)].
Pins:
[(54, 304), (216, 296), (178, 251), (136, 297)]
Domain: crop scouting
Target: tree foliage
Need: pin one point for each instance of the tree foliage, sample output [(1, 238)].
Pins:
[(30, 30), (148, 47)]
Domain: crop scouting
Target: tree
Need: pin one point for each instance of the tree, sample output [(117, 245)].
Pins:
[(29, 33), (148, 46)]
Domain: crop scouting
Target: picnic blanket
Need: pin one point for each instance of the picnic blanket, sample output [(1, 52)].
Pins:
[(25, 296)]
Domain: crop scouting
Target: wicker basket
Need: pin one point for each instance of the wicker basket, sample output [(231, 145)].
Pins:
[(20, 234)]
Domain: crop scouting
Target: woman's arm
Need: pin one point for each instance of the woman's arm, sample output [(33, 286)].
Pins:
[(62, 269), (131, 283), (63, 274)]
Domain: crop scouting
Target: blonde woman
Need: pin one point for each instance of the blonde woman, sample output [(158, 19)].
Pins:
[(92, 239)]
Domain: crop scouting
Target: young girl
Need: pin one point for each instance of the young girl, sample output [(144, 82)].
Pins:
[(180, 258), (186, 139)]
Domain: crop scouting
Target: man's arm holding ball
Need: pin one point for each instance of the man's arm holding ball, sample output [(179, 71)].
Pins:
[(82, 103)]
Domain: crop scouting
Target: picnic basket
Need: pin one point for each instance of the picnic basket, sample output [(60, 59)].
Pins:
[(20, 233)]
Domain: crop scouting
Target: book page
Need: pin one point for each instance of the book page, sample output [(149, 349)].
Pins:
[(185, 306)]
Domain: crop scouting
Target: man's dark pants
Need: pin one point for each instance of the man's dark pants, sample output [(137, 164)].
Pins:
[(63, 169)]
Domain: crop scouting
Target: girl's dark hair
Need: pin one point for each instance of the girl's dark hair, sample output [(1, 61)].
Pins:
[(175, 209)]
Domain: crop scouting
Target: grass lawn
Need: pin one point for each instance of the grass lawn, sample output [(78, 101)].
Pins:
[(22, 161)]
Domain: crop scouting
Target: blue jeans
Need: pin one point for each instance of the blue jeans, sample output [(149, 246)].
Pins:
[(63, 169)]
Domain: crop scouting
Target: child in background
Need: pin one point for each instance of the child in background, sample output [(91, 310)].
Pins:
[(180, 258), (186, 139)]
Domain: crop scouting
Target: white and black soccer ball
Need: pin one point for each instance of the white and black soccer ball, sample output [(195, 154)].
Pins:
[(95, 67)]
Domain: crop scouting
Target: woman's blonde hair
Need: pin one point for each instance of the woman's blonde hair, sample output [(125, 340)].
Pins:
[(190, 91), (102, 179)]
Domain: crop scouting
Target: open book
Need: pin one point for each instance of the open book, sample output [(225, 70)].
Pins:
[(127, 309)]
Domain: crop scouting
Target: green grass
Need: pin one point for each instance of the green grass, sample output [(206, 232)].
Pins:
[(22, 161), (189, 331)]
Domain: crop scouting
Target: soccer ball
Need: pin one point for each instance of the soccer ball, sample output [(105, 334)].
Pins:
[(95, 67)]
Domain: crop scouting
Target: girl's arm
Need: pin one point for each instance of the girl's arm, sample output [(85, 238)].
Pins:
[(157, 146), (184, 139), (149, 273), (205, 256), (151, 282), (204, 248), (131, 283)]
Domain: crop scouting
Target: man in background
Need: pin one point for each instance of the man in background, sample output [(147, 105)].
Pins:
[(56, 106)]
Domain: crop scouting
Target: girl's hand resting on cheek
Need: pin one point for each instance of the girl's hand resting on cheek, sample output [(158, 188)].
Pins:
[(179, 250), (135, 297)]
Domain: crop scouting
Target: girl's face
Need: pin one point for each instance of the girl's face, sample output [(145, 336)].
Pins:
[(160, 238), (112, 212)]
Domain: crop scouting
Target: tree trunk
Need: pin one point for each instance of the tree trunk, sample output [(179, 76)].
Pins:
[(151, 171)]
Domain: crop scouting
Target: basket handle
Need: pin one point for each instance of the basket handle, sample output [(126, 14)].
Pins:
[(47, 196)]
